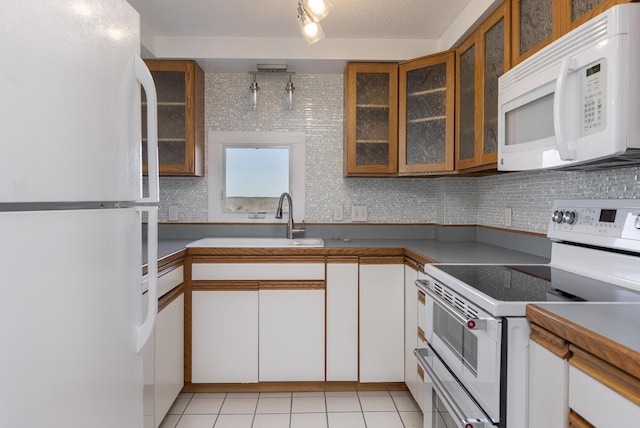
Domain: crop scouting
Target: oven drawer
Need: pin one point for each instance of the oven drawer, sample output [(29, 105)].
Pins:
[(446, 403)]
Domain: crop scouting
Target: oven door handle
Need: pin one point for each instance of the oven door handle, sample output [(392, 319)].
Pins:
[(470, 323), (443, 393)]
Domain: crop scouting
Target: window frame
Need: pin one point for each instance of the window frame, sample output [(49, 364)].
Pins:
[(219, 140)]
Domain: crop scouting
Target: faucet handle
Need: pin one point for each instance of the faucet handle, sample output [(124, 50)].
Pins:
[(301, 229)]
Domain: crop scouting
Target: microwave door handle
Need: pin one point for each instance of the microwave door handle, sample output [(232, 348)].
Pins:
[(566, 153), (443, 393), (470, 323)]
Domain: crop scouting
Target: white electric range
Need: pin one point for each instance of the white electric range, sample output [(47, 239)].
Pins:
[(477, 333)]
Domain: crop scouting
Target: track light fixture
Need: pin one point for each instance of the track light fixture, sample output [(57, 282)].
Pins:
[(310, 13)]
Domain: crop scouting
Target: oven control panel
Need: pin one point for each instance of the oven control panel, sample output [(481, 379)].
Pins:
[(609, 223)]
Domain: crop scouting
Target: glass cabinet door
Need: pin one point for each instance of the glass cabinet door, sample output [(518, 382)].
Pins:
[(494, 41), (466, 85), (536, 23), (482, 59), (426, 126), (180, 90), (371, 95)]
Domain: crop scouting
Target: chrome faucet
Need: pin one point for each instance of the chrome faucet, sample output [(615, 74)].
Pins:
[(291, 229)]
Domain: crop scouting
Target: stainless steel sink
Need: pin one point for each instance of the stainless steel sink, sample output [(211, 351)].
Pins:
[(258, 243)]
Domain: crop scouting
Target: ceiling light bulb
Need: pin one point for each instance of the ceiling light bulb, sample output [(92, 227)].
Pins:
[(311, 31), (317, 9)]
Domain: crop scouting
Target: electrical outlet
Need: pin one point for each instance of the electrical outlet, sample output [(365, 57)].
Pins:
[(507, 217), (359, 213), (338, 213), (173, 213)]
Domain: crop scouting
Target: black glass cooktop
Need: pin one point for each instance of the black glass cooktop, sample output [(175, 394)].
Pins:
[(537, 283)]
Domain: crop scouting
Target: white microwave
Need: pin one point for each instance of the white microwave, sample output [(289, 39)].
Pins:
[(575, 103)]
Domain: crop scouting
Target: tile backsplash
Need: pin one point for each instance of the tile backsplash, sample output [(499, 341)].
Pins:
[(318, 112)]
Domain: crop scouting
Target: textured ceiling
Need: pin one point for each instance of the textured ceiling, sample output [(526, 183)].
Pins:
[(366, 19), (234, 35)]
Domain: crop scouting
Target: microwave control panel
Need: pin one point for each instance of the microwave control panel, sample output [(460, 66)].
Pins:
[(593, 84)]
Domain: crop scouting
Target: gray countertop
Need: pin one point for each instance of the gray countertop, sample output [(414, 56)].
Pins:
[(615, 321), (441, 251)]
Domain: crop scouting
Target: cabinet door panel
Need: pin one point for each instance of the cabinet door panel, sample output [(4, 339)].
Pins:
[(382, 323), (536, 23), (467, 88), (426, 115), (291, 335), (169, 357), (342, 322), (482, 59), (180, 90), (224, 336), (411, 332), (548, 388), (371, 119), (494, 66)]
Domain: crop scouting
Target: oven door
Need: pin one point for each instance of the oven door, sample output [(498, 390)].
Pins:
[(446, 403), (469, 344)]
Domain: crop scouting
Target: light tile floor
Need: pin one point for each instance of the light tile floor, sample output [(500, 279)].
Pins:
[(364, 409)]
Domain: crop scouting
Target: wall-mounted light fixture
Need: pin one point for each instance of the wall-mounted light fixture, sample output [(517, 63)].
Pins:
[(310, 13), (290, 88), (254, 88), (271, 70)]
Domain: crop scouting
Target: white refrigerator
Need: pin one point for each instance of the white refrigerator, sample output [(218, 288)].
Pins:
[(72, 324)]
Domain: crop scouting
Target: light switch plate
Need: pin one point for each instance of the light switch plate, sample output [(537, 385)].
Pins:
[(338, 213)]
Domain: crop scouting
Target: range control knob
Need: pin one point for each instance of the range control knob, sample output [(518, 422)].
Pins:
[(637, 222), (569, 217), (557, 216)]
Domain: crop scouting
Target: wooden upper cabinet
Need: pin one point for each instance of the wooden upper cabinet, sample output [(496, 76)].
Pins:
[(371, 119), (481, 59), (426, 118), (180, 89), (536, 23)]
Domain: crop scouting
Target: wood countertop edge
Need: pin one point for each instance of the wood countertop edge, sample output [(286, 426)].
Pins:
[(317, 251), (602, 347)]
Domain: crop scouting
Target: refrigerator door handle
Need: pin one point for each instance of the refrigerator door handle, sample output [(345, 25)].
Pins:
[(146, 328), (143, 75)]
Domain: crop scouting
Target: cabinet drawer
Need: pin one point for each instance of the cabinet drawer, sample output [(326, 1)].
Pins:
[(597, 403), (257, 271), (170, 279)]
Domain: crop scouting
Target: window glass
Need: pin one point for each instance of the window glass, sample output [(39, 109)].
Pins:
[(255, 178)]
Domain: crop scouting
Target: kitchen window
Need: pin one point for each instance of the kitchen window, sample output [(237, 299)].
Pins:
[(248, 171)]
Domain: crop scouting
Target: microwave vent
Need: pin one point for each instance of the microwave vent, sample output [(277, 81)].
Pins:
[(589, 34)]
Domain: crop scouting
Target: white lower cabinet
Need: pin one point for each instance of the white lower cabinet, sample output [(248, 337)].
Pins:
[(411, 330), (548, 388), (382, 322), (169, 356), (342, 321), (258, 322), (291, 335), (224, 336)]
